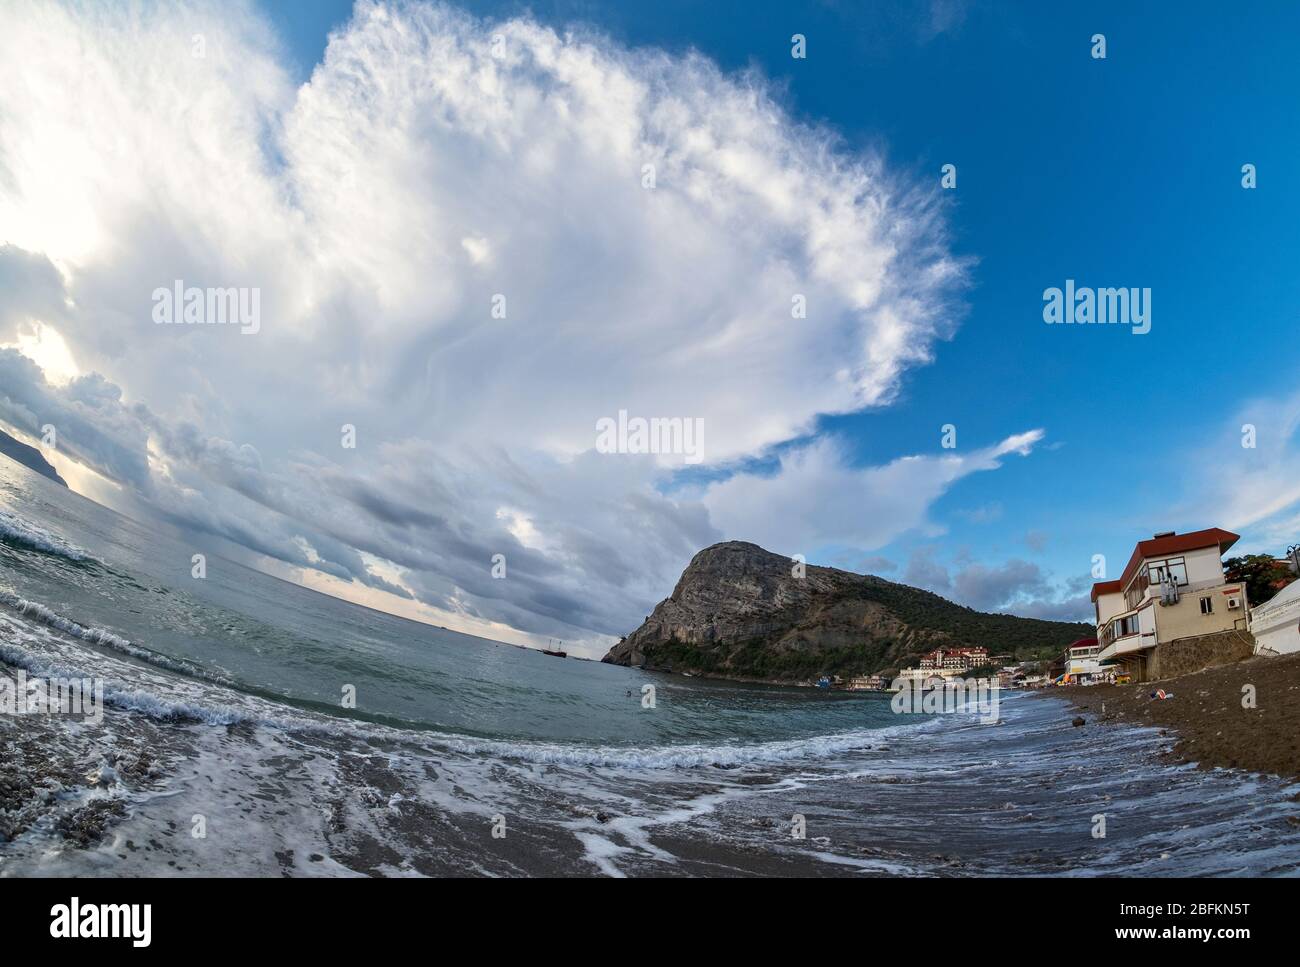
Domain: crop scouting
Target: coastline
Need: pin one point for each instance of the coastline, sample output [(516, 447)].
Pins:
[(1207, 716), (293, 798)]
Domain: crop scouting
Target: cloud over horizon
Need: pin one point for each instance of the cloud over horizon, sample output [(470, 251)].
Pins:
[(432, 163)]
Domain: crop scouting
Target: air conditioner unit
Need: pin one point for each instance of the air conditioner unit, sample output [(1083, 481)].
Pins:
[(1234, 604)]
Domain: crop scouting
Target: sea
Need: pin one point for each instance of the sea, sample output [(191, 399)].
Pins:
[(255, 727)]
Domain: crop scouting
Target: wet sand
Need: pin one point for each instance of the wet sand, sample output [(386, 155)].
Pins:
[(1208, 716)]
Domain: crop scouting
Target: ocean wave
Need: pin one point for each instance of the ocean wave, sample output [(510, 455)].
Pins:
[(15, 530), (148, 703), (164, 710), (784, 751), (214, 700), (98, 636)]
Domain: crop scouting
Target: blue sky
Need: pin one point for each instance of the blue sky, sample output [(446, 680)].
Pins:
[(1117, 172)]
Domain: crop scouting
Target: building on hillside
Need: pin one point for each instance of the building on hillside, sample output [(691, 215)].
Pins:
[(954, 661), (945, 663), (1276, 622), (1172, 590)]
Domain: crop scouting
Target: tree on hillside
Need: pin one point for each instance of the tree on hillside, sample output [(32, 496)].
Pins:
[(1263, 575)]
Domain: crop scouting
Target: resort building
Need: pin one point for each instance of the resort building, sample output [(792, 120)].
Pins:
[(953, 661), (1153, 621), (944, 663)]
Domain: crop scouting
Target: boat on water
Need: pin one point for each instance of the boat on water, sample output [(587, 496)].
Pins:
[(556, 649)]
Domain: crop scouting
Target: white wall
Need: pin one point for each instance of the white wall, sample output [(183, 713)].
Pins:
[(1282, 639), (1276, 625), (1109, 605), (1204, 567)]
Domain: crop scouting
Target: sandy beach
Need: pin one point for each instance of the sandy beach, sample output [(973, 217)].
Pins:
[(1207, 715)]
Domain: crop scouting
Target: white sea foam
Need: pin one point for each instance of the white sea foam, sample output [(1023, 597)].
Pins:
[(15, 530), (97, 636), (142, 701)]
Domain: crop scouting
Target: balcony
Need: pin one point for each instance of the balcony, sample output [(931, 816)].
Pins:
[(1127, 645)]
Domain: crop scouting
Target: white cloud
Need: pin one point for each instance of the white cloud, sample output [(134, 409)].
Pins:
[(1013, 587), (816, 497), (379, 208), (1253, 490)]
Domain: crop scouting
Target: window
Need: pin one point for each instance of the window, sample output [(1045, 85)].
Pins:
[(1207, 605), (1176, 566), (1121, 627), (1137, 590)]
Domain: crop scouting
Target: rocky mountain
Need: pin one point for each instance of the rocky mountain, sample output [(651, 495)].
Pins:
[(740, 612), (29, 457)]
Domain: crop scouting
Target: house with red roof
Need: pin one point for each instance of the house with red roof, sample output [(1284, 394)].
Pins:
[(1079, 663), (1173, 591)]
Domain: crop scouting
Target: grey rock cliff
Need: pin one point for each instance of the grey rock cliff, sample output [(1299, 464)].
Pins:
[(739, 611)]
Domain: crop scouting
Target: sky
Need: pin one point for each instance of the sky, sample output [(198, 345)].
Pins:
[(476, 230)]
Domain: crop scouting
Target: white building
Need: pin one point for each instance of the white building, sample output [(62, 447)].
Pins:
[(954, 661), (1173, 588), (1082, 659), (1276, 622)]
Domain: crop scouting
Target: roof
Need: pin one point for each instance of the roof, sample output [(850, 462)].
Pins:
[(1105, 587), (1176, 544)]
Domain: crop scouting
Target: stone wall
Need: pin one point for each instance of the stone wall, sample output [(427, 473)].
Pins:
[(1187, 655)]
